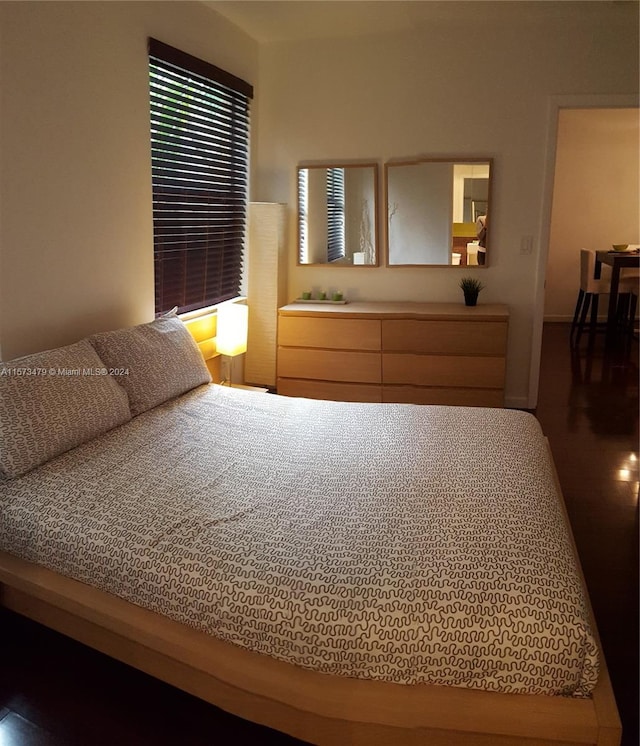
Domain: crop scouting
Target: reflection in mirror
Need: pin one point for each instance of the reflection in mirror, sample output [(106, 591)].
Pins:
[(337, 214), (437, 212)]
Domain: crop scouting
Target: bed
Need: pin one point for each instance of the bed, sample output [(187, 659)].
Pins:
[(346, 573)]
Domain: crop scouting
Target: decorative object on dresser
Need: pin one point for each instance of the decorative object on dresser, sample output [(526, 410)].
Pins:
[(267, 288), (422, 353), (336, 298), (471, 288)]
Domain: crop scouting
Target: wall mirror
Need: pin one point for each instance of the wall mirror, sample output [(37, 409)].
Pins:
[(337, 214), (437, 212)]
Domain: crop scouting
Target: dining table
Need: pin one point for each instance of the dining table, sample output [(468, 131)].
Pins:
[(617, 260)]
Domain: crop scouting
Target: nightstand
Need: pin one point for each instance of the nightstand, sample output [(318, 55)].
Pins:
[(256, 389)]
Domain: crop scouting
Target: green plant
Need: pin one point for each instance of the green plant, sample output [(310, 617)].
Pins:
[(471, 285)]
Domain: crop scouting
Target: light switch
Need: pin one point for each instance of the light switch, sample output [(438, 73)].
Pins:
[(526, 245)]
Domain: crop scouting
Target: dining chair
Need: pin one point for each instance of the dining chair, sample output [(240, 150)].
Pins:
[(630, 278), (590, 291)]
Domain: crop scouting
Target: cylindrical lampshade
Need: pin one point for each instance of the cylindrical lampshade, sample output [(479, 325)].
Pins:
[(231, 335)]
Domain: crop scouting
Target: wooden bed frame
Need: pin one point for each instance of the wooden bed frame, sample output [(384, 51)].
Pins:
[(314, 707)]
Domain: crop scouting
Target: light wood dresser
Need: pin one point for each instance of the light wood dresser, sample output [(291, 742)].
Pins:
[(421, 353)]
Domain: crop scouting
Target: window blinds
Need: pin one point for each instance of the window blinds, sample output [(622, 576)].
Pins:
[(199, 151)]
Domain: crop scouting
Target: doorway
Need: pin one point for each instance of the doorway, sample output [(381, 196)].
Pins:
[(596, 196), (582, 221)]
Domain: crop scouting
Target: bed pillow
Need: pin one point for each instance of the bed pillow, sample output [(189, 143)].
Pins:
[(53, 401), (153, 362)]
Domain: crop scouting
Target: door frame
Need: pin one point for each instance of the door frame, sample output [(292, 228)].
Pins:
[(555, 104)]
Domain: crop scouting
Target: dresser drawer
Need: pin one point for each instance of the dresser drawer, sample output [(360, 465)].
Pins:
[(335, 334), (362, 392), (443, 370), (455, 397), (444, 337), (329, 365)]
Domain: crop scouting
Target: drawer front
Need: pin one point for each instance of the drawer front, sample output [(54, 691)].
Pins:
[(445, 337), (440, 395), (334, 334), (443, 370), (329, 365), (362, 392)]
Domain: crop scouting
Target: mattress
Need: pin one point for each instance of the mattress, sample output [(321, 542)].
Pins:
[(404, 543)]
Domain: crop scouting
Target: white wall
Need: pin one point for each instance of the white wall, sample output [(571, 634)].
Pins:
[(596, 196), (455, 88), (76, 241)]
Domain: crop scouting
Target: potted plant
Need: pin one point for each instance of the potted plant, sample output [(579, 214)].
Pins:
[(470, 287)]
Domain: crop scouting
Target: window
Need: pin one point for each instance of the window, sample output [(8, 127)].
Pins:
[(199, 151)]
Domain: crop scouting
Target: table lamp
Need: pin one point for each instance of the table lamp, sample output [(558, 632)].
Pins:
[(231, 336)]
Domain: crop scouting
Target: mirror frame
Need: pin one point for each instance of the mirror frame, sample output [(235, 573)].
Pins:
[(374, 215), (439, 159)]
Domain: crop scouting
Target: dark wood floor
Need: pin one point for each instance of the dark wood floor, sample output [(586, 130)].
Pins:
[(54, 692), (588, 408)]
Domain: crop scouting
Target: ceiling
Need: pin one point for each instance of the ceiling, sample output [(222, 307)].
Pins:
[(283, 20)]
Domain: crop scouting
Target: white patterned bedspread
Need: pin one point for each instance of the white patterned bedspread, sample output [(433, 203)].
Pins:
[(397, 542)]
